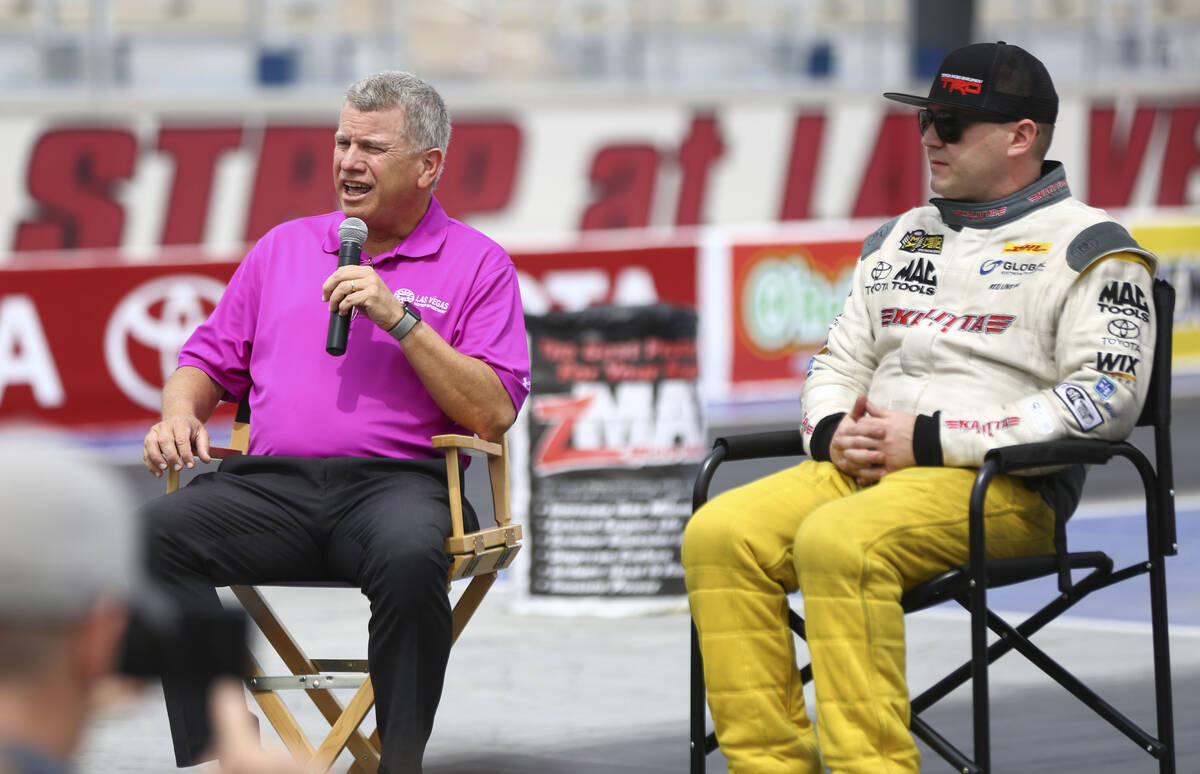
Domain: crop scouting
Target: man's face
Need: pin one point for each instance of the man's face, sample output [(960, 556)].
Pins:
[(376, 175), (975, 168)]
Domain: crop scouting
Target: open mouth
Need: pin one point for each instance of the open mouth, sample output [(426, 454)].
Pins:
[(354, 190)]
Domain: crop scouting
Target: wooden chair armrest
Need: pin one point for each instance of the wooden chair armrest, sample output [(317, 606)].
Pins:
[(468, 444), (216, 452), (497, 459)]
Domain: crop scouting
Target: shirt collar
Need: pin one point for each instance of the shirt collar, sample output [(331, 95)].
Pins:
[(426, 239), (1047, 189)]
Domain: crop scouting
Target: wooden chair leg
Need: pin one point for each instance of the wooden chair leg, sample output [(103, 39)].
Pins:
[(468, 603), (298, 663), (281, 719), (361, 767), (346, 726)]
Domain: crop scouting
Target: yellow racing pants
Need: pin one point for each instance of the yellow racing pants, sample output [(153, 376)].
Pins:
[(852, 552)]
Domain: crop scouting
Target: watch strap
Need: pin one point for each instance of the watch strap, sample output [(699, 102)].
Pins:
[(407, 322)]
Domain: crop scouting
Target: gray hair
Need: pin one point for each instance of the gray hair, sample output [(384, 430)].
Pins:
[(426, 120)]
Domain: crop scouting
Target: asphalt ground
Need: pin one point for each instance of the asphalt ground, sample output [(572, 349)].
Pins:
[(591, 695)]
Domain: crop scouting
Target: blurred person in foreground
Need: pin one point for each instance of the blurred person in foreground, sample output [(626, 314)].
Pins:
[(984, 319), (341, 481), (70, 575)]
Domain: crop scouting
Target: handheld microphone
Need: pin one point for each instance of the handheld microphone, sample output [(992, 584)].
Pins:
[(353, 233)]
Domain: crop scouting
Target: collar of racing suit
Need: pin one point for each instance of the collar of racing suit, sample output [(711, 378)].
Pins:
[(1047, 189)]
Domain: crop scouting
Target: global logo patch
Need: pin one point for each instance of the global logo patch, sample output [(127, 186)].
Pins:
[(881, 271), (1009, 267)]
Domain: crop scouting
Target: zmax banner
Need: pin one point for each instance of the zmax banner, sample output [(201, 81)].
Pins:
[(616, 436)]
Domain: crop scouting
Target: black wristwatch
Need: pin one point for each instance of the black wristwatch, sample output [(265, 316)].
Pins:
[(407, 322)]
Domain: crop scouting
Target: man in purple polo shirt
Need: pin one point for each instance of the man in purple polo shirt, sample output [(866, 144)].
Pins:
[(341, 481)]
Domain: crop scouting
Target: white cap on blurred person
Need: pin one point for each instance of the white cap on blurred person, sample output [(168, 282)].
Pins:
[(69, 533)]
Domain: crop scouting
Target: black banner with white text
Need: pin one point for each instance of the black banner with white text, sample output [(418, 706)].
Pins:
[(616, 436)]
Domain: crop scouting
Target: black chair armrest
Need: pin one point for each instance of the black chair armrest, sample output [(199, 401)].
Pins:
[(1070, 451), (748, 446), (775, 443)]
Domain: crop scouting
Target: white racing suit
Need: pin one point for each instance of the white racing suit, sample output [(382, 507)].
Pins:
[(1024, 319)]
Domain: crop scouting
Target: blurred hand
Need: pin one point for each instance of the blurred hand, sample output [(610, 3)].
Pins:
[(235, 736), (170, 443)]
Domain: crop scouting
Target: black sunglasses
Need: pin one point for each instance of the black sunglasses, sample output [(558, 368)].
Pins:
[(949, 125)]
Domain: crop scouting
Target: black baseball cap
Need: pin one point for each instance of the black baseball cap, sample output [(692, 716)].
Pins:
[(993, 78)]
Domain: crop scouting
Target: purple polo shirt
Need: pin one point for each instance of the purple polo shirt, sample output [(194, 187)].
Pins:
[(266, 338)]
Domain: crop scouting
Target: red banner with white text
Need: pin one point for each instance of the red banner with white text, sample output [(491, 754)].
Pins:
[(91, 343)]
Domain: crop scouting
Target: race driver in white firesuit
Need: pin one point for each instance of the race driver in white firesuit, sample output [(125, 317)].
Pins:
[(1005, 312)]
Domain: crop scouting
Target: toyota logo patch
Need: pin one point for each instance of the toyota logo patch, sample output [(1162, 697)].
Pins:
[(1122, 328)]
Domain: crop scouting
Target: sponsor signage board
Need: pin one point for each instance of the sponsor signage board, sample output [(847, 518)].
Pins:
[(1176, 242), (138, 174), (616, 435), (91, 345), (783, 297)]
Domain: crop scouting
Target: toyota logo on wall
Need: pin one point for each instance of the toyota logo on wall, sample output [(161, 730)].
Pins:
[(149, 326), (1122, 328)]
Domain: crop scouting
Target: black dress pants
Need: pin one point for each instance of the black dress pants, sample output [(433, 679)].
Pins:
[(379, 524)]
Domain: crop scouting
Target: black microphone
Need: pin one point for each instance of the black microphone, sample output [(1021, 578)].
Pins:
[(353, 233)]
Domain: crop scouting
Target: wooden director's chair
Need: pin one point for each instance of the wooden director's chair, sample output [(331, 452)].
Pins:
[(478, 555)]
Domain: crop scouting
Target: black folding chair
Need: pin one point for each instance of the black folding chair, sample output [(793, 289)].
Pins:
[(968, 584)]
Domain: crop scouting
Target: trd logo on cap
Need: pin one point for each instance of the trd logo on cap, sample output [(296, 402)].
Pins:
[(961, 83)]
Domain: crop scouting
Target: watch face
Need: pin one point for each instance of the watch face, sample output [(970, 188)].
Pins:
[(410, 309)]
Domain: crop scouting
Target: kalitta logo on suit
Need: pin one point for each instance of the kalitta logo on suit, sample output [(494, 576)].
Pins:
[(917, 277), (1124, 298), (962, 84), (982, 428), (986, 322), (918, 241)]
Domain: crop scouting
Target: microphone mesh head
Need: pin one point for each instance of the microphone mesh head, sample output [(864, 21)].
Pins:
[(353, 230)]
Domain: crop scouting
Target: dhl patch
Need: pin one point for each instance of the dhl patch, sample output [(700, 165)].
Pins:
[(1027, 247)]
